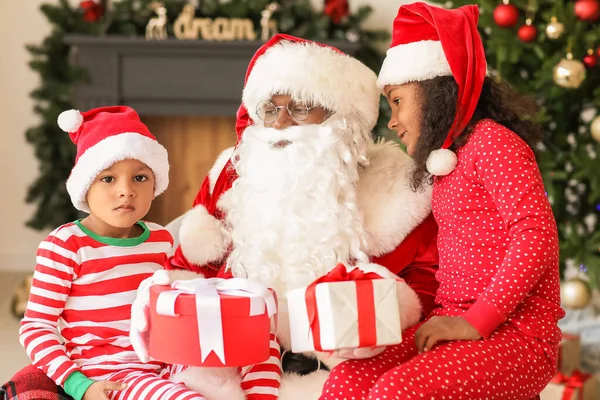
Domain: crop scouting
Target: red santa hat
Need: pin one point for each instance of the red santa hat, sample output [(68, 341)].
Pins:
[(297, 67), (107, 135), (313, 72), (430, 41)]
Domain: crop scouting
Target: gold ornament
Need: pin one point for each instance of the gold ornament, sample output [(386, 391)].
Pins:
[(569, 73), (575, 294), (595, 131), (555, 29)]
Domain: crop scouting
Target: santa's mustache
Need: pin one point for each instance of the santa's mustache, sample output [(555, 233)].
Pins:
[(281, 138)]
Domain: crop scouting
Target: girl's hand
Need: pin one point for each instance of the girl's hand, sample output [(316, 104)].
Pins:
[(99, 390), (443, 329)]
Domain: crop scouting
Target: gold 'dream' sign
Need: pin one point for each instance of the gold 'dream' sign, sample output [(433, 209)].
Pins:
[(186, 26)]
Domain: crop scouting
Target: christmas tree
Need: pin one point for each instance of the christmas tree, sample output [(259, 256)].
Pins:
[(53, 147), (550, 49)]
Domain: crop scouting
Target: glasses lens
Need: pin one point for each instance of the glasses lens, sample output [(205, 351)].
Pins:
[(266, 111), (298, 109)]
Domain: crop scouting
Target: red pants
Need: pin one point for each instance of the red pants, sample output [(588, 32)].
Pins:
[(508, 365)]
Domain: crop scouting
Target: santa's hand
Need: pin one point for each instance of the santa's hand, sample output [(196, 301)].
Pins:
[(140, 313), (141, 304), (140, 309), (359, 353)]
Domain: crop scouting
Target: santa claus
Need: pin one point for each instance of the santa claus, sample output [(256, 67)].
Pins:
[(306, 188)]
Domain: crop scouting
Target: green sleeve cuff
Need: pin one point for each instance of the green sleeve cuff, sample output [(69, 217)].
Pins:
[(76, 385)]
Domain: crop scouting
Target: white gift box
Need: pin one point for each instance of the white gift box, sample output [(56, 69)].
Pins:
[(338, 315)]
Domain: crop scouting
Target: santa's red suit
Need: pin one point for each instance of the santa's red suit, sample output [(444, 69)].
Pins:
[(395, 222)]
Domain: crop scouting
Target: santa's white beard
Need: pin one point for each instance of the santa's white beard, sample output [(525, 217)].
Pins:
[(292, 211)]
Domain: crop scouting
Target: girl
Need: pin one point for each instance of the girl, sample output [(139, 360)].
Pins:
[(494, 334)]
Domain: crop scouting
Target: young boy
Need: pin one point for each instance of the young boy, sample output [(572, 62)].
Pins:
[(88, 271)]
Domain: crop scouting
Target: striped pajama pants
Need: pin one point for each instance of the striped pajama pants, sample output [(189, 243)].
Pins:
[(147, 385)]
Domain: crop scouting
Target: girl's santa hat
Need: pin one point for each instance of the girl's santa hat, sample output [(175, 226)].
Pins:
[(430, 41), (105, 136)]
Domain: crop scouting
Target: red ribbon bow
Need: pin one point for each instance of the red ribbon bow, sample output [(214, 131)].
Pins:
[(575, 381), (367, 332)]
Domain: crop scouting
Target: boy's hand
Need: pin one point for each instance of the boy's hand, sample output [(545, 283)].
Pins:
[(99, 390), (444, 329)]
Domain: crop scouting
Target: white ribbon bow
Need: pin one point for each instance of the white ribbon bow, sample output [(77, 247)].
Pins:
[(208, 306)]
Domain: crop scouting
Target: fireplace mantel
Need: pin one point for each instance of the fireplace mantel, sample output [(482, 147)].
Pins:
[(168, 77)]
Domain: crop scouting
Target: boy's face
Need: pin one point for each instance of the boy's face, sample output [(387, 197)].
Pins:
[(122, 194)]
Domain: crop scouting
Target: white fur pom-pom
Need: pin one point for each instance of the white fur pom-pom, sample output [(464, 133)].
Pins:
[(70, 120), (441, 162), (202, 237)]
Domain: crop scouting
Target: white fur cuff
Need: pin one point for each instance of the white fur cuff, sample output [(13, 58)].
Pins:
[(202, 237), (410, 306)]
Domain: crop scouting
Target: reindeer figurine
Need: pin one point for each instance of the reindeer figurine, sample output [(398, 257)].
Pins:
[(157, 26), (268, 27)]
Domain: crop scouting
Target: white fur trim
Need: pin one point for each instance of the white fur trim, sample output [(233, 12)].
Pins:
[(202, 237), (173, 228), (376, 268), (409, 304), (316, 74), (412, 62), (307, 387), (218, 166), (167, 277), (391, 209), (102, 155), (441, 162), (70, 120), (213, 383)]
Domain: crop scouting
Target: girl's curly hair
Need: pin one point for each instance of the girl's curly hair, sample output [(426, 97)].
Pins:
[(498, 101)]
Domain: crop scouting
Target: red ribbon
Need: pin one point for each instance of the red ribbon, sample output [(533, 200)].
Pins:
[(575, 381), (367, 331)]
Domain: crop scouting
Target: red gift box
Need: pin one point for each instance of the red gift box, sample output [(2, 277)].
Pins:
[(211, 322)]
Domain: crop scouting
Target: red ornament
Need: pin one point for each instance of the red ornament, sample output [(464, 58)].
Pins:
[(587, 10), (527, 33), (506, 15), (92, 11), (591, 60), (337, 10)]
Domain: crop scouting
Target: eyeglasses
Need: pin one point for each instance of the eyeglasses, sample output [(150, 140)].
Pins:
[(268, 112)]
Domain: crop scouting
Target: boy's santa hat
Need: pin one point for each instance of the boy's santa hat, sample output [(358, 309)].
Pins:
[(105, 136), (430, 41)]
